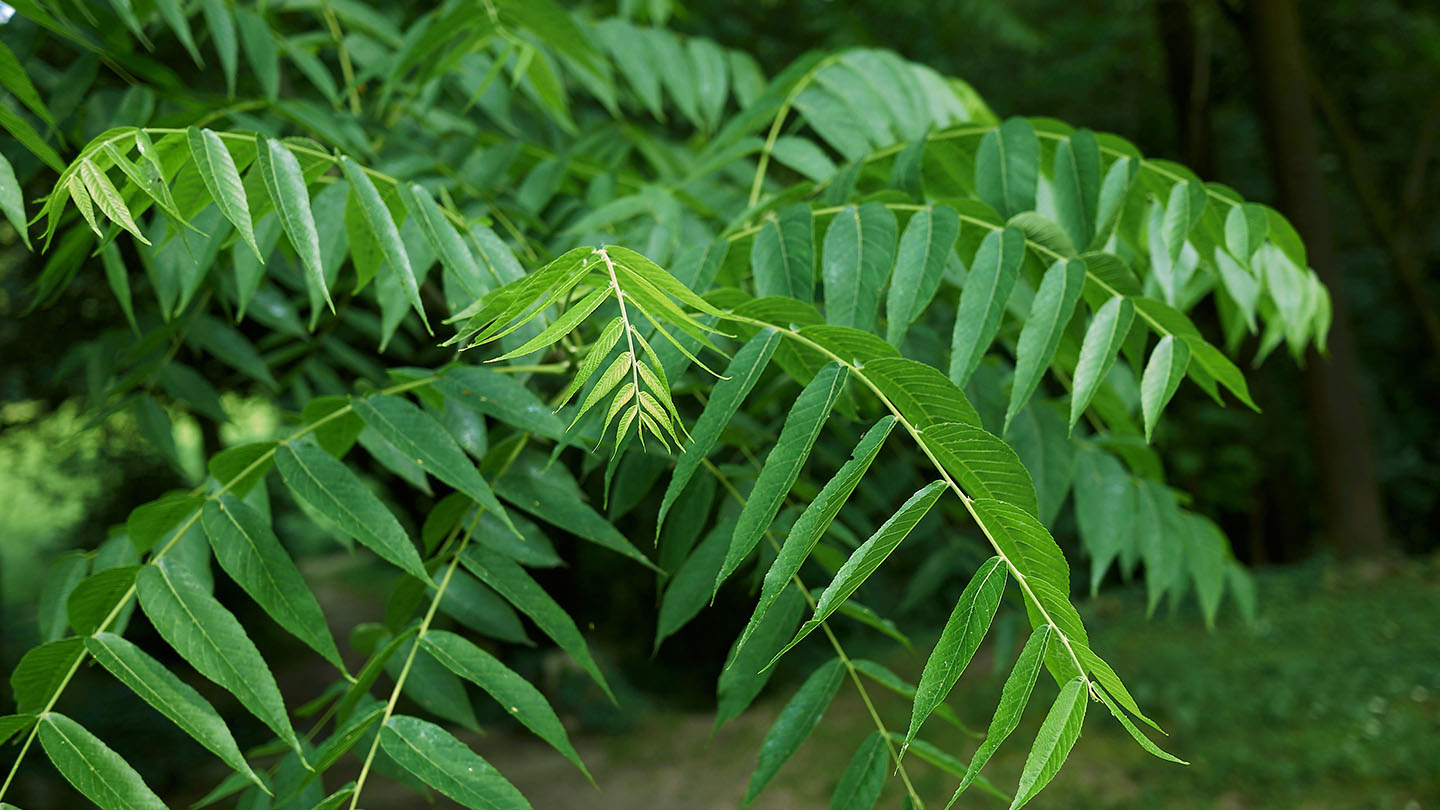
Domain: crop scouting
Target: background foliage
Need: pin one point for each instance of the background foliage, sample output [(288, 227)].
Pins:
[(530, 136)]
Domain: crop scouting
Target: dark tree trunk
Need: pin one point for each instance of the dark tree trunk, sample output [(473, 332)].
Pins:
[(1340, 435), (1186, 35)]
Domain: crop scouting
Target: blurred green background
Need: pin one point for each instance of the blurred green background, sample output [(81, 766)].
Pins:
[(1331, 699)]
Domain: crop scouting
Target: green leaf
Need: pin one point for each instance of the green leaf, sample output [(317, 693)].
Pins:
[(550, 493), (443, 239), (11, 724), (982, 301), (93, 599), (519, 589), (36, 679), (1103, 338), (1007, 167), (859, 252), (1145, 742), (217, 170), (1206, 552), (690, 588), (107, 198), (330, 488), (482, 610), (921, 394), (925, 247), (740, 376), (783, 254), (222, 37), (421, 437), (17, 81), (515, 694), (1104, 510), (868, 557), (982, 464), (815, 520), (1163, 373), (252, 555), (1013, 697), (12, 202), (502, 397), (1183, 211), (1053, 742), (562, 325), (175, 17), (382, 227), (209, 637), (799, 717), (260, 50), (439, 760), (783, 463), (285, 183), (64, 574), (100, 774), (745, 673), (1050, 312), (864, 778), (170, 696), (1077, 186), (964, 630)]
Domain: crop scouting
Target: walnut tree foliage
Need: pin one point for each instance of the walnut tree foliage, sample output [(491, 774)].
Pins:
[(517, 254)]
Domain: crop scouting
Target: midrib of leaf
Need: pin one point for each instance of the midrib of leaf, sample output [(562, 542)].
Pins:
[(99, 776), (239, 679), (629, 336), (830, 636), (179, 532), (1020, 577)]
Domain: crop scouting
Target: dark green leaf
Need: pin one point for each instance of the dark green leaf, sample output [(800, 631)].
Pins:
[(448, 765), (1007, 167), (217, 170), (1053, 742), (783, 254), (100, 774), (285, 183), (859, 787), (982, 301), (1103, 339), (1050, 312), (1163, 373), (799, 717), (926, 245), (859, 253), (1013, 697)]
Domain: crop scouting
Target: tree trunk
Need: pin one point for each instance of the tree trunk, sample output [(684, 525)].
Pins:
[(1340, 435), (1185, 33)]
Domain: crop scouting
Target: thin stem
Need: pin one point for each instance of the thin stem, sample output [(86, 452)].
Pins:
[(965, 499), (346, 70), (834, 643), (779, 121), (410, 659), (180, 531)]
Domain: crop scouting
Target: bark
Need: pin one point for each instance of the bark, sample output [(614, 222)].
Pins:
[(1340, 434), (1186, 35)]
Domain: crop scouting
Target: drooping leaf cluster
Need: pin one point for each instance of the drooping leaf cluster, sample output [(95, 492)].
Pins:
[(845, 308)]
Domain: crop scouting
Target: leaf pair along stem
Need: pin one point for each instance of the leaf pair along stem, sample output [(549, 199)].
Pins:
[(180, 530), (965, 499), (835, 644)]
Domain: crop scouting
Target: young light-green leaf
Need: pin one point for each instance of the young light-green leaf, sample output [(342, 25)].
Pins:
[(799, 717), (740, 376), (859, 253), (217, 171), (252, 555), (285, 183), (1103, 338), (1163, 373), (444, 763), (982, 301), (100, 774), (330, 488), (783, 463), (813, 522), (1013, 697), (170, 696), (964, 630), (12, 202), (1053, 742), (515, 694), (211, 639), (868, 557), (1051, 310)]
